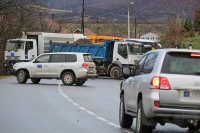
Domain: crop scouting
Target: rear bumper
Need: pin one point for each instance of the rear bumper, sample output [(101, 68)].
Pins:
[(177, 113), (170, 112), (92, 75)]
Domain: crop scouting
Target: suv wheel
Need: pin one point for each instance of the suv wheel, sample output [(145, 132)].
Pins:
[(124, 119), (35, 81), (22, 77), (116, 72), (68, 78), (140, 127), (80, 82)]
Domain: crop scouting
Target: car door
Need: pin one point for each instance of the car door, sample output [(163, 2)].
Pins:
[(56, 64), (40, 66), (133, 85)]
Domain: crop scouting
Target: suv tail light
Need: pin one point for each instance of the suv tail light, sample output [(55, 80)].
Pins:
[(84, 65), (161, 83)]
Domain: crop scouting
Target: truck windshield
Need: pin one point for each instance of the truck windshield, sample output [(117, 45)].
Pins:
[(14, 45), (135, 50)]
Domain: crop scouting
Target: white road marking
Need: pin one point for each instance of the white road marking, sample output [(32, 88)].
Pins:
[(91, 113), (102, 119), (113, 124), (86, 110), (83, 108)]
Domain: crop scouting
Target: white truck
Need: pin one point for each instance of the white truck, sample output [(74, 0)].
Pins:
[(33, 44)]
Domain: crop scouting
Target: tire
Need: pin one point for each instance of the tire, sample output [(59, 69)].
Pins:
[(124, 119), (193, 128), (68, 78), (140, 127), (116, 72), (22, 77), (80, 82), (35, 81)]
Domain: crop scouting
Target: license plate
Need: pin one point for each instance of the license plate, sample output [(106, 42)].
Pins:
[(90, 69), (195, 94), (191, 94)]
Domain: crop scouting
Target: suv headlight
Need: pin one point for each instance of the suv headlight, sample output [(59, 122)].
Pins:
[(14, 66)]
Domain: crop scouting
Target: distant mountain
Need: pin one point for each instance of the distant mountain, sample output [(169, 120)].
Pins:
[(144, 10)]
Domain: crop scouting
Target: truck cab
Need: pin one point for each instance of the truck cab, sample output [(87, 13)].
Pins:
[(19, 50)]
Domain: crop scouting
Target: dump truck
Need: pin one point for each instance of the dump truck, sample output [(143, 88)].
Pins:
[(110, 57)]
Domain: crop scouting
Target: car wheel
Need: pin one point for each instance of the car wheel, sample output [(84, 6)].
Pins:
[(80, 82), (116, 72), (22, 77), (68, 78), (35, 81), (124, 119), (193, 128), (140, 127)]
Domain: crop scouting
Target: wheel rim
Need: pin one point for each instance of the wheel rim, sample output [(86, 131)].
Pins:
[(116, 73), (139, 120), (68, 79), (20, 76), (121, 111)]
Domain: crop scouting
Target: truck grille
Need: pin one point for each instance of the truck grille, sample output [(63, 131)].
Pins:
[(12, 57)]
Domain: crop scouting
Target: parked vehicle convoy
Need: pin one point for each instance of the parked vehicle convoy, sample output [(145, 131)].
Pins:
[(31, 45), (70, 67), (164, 88), (109, 57)]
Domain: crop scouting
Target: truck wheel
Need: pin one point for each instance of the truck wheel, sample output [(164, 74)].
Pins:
[(68, 78), (35, 81), (116, 72), (124, 119), (80, 82), (22, 77), (140, 127)]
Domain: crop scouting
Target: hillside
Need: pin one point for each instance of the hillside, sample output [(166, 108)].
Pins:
[(142, 9)]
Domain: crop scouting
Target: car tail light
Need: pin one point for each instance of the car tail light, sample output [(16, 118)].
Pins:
[(157, 104), (84, 65), (161, 83)]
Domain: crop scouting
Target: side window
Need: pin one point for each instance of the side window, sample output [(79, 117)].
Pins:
[(58, 58), (43, 59), (149, 63), (140, 65), (122, 50), (70, 58), (29, 46)]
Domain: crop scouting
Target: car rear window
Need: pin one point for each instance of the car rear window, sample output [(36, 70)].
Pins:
[(87, 58), (181, 63)]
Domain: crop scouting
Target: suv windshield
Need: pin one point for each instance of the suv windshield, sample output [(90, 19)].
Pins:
[(87, 58), (135, 50), (14, 45), (181, 63)]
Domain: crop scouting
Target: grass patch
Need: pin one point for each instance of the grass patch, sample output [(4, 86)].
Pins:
[(3, 77), (194, 41)]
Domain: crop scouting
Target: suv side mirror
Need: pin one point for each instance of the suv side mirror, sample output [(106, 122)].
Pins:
[(127, 71)]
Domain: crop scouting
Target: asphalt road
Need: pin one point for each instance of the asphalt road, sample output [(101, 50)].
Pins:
[(51, 107)]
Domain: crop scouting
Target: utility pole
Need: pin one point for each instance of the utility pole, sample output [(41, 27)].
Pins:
[(129, 34), (135, 28), (97, 26), (83, 14)]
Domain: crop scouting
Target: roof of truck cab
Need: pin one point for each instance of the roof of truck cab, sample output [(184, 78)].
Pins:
[(139, 40)]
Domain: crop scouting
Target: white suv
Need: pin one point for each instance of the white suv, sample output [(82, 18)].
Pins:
[(68, 66)]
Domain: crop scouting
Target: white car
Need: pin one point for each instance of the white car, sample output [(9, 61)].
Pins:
[(71, 67)]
